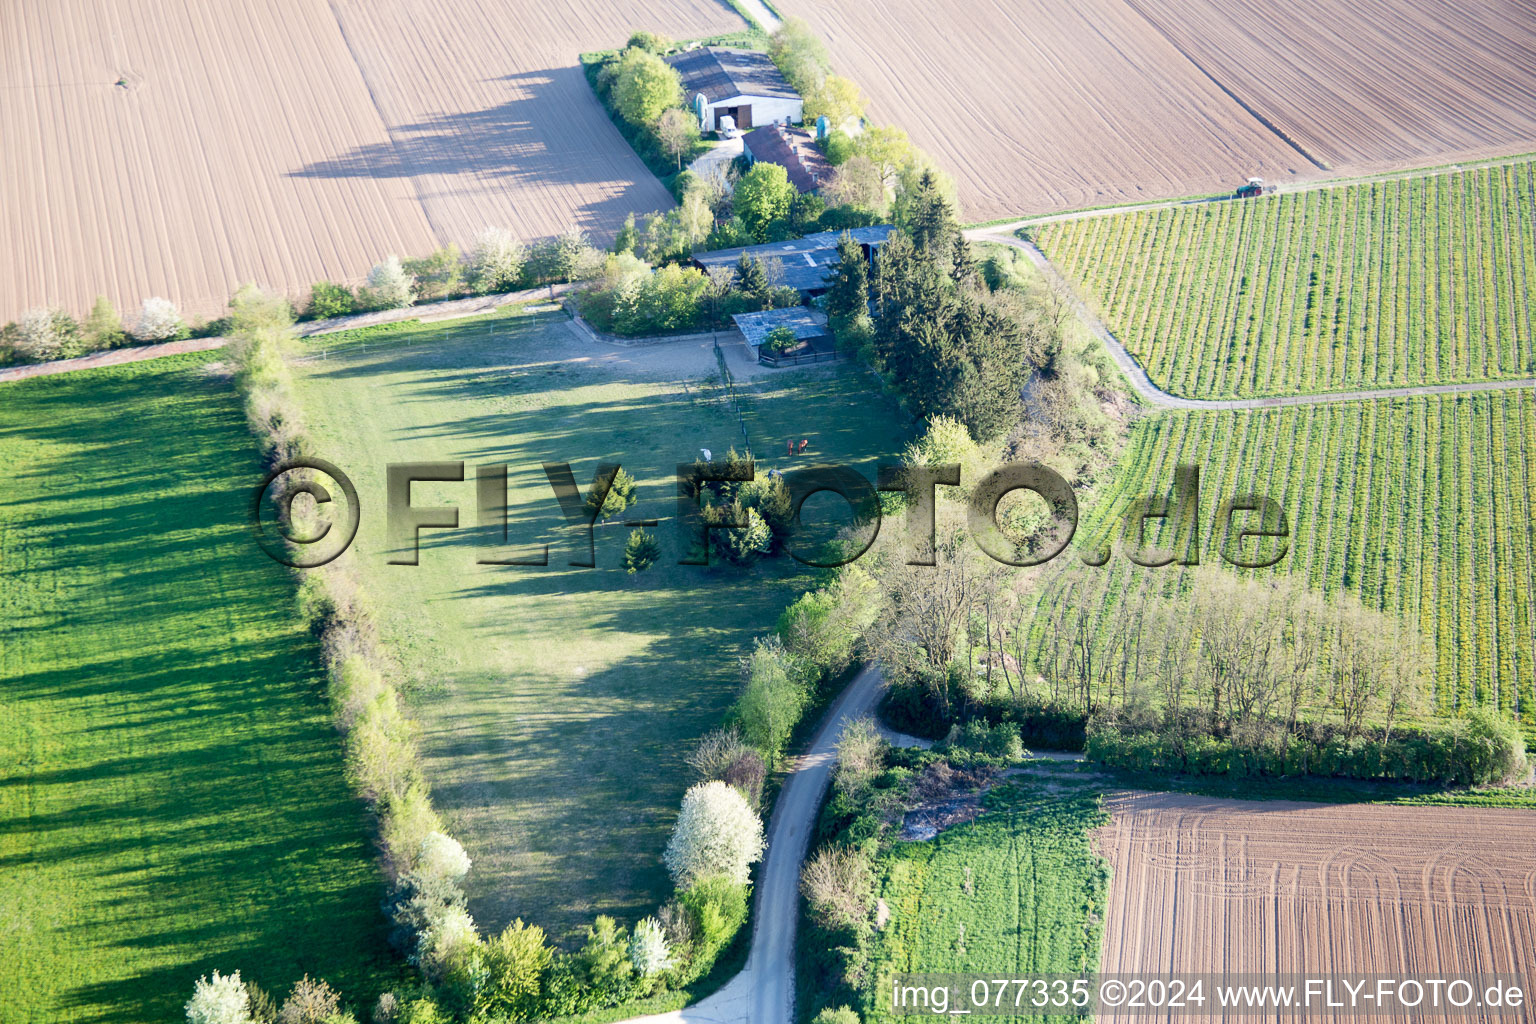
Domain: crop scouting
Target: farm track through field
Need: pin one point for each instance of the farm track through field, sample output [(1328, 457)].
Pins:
[(1136, 375)]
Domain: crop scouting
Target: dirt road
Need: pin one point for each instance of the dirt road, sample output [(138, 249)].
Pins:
[(763, 993)]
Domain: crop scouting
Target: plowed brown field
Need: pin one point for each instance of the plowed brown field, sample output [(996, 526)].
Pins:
[(1371, 84), (168, 147), (1038, 105), (1263, 887)]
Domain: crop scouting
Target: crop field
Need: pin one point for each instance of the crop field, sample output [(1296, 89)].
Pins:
[(558, 703), (168, 149), (1418, 506), (1371, 85), (1387, 284), (1204, 885), (1019, 891), (171, 790), (1037, 107)]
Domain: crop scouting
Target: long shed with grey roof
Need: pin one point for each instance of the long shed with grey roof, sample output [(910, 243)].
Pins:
[(800, 263), (742, 84)]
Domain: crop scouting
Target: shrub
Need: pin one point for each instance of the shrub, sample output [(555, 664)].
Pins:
[(253, 312), (725, 757), (389, 286), (406, 819), (771, 700), (838, 100), (620, 496), (762, 196), (839, 884), (103, 328), (641, 550), (515, 965), (677, 130), (648, 949), (800, 55), (603, 966), (652, 42), (841, 1015), (747, 773), (717, 908), (443, 857), (496, 262), (838, 147), (716, 752), (569, 256), (1001, 741), (421, 1010), (310, 1002), (43, 334), (263, 1007), (219, 999), (860, 755), (387, 1009), (780, 340), (438, 275), (717, 834), (739, 545), (416, 903), (447, 933), (158, 320), (327, 299), (643, 86)]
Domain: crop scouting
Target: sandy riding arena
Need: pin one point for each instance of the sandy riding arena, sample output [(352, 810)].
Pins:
[(178, 149), (1229, 886)]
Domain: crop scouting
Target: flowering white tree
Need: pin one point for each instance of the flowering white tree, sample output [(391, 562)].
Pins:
[(497, 260), (443, 857), (648, 948), (158, 320), (43, 333), (452, 929), (390, 286), (717, 833), (219, 1000)]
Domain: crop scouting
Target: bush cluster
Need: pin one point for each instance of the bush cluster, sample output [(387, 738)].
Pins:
[(1477, 750)]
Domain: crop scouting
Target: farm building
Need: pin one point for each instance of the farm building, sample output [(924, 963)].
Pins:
[(801, 263), (794, 149), (808, 324), (742, 84)]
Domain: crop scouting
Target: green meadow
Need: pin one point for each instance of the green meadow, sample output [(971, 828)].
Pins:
[(171, 790), (558, 703)]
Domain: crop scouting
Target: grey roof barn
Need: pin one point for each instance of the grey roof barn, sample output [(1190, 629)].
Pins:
[(721, 73)]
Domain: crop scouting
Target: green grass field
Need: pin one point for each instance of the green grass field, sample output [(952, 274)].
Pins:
[(1418, 506), (1016, 893), (1405, 282), (558, 703), (171, 791)]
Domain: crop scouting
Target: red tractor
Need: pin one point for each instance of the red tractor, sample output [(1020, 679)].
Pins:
[(1253, 189)]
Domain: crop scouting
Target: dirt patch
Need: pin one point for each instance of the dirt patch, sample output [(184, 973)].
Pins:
[(1272, 886), (942, 798)]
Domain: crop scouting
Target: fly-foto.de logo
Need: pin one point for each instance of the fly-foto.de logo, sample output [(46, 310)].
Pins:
[(1250, 530)]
